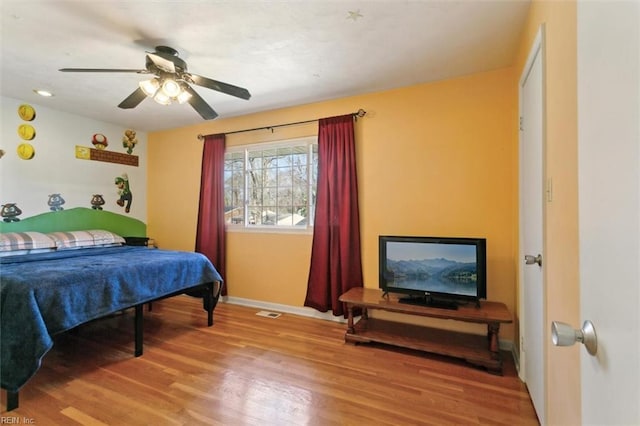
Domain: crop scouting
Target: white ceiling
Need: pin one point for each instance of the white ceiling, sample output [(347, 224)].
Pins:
[(284, 52)]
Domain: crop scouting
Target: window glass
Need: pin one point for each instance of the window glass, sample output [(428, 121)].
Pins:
[(271, 185)]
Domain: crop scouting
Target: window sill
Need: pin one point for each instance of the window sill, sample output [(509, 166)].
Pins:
[(269, 230)]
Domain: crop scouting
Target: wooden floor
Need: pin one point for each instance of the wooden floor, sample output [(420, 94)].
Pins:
[(252, 370)]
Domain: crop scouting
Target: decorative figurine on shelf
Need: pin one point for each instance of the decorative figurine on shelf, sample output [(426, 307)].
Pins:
[(129, 140), (122, 182), (10, 212), (97, 202), (99, 141), (55, 202)]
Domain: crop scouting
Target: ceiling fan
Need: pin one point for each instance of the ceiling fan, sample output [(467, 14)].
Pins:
[(171, 83)]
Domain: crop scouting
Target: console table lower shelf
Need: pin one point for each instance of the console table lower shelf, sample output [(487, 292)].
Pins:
[(470, 347), (478, 350)]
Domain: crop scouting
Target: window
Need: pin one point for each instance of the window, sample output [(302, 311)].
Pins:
[(271, 185)]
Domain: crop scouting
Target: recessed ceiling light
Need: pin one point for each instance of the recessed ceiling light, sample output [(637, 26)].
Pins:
[(44, 93)]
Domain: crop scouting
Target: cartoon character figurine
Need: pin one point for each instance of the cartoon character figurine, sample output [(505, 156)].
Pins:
[(97, 202), (129, 140), (100, 141), (10, 212), (55, 202), (122, 182)]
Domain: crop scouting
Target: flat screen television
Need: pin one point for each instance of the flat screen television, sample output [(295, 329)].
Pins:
[(441, 272)]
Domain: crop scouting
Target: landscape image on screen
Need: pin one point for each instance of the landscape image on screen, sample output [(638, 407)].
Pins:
[(443, 268)]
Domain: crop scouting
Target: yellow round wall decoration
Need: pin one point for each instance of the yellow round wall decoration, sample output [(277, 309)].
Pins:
[(26, 151), (26, 112), (26, 132)]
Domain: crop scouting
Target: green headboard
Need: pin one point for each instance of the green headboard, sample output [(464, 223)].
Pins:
[(78, 219)]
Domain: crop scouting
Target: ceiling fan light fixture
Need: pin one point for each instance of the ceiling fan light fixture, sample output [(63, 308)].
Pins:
[(150, 87), (171, 88), (162, 98), (183, 97), (170, 82)]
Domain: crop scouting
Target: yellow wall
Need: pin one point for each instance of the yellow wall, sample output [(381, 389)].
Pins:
[(433, 159), (561, 214)]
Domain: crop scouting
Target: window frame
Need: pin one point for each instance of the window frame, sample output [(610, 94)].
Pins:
[(245, 226)]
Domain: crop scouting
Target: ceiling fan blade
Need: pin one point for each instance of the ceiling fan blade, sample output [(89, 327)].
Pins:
[(102, 70), (229, 89), (200, 105), (133, 100)]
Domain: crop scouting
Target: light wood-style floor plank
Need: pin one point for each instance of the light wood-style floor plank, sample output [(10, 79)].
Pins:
[(252, 370)]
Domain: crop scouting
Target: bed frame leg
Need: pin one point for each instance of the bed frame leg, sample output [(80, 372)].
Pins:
[(208, 301), (138, 329), (12, 400)]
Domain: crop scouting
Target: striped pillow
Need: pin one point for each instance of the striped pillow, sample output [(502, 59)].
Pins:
[(82, 239), (102, 237), (11, 241), (29, 251), (72, 239)]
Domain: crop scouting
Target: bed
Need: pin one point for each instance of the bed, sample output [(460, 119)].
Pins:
[(48, 288)]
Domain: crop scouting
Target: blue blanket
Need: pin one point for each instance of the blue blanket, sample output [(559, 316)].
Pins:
[(44, 294)]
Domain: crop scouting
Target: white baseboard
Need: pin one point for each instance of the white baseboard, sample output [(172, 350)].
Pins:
[(277, 307), (506, 345), (516, 357)]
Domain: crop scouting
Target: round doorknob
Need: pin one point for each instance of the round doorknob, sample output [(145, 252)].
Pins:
[(564, 335), (531, 260)]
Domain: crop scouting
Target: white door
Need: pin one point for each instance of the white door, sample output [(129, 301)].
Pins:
[(531, 226), (609, 207)]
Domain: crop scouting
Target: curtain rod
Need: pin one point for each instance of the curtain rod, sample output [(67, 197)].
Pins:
[(359, 113)]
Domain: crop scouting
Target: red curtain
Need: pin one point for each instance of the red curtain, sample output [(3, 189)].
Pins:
[(335, 255), (210, 234)]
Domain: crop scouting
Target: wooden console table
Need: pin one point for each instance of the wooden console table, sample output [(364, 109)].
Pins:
[(476, 349)]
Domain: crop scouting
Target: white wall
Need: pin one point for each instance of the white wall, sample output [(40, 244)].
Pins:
[(55, 168)]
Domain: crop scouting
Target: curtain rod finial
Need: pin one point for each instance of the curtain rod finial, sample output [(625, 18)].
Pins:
[(200, 137), (361, 113)]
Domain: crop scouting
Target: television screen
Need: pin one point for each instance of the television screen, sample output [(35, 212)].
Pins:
[(433, 268)]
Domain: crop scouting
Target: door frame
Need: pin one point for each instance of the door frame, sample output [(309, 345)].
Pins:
[(537, 48)]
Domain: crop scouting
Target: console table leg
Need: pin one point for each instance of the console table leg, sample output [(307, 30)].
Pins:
[(350, 328), (494, 346)]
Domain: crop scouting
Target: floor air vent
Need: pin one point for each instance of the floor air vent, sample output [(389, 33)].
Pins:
[(268, 314)]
